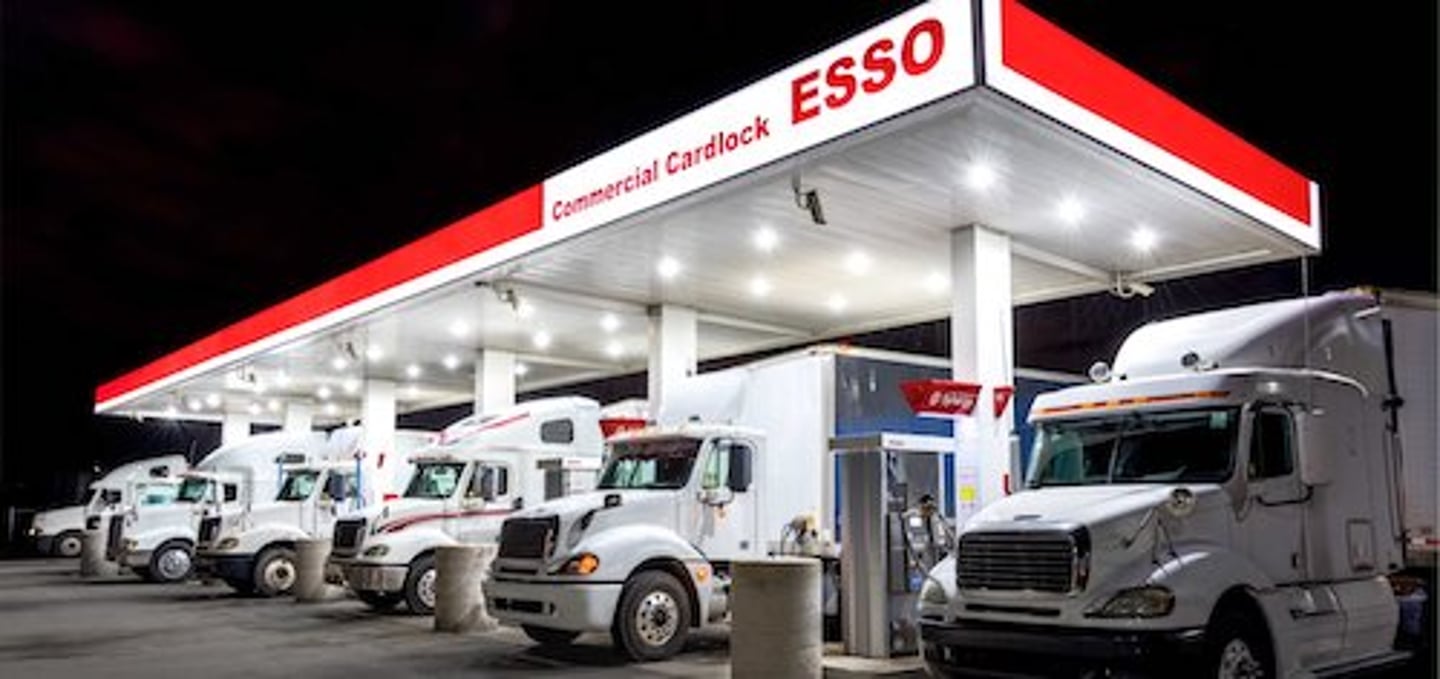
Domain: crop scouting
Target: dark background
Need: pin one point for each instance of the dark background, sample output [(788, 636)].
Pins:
[(174, 167)]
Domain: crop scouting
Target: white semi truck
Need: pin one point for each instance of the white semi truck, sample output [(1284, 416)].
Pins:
[(58, 532), (253, 549), (738, 455), (483, 468), (158, 542), (1249, 492)]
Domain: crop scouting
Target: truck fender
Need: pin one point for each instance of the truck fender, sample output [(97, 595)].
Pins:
[(1200, 575), (256, 539), (627, 549)]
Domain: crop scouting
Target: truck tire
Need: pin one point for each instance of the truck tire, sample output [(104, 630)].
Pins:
[(172, 561), (420, 585), (548, 637), (1239, 647), (67, 544), (274, 571), (380, 601), (653, 619)]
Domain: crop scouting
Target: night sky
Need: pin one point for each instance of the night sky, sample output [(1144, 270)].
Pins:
[(174, 167)]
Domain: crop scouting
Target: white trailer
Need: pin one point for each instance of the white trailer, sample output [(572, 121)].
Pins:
[(58, 532), (1248, 491), (253, 550), (483, 468), (158, 542), (737, 457)]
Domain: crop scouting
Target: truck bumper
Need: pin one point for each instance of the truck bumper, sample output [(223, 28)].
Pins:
[(973, 648), (136, 558), (228, 567), (566, 606), (368, 577)]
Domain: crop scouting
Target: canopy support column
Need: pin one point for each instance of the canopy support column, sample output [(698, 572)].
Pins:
[(494, 380), (673, 350), (982, 341), (234, 428), (299, 417)]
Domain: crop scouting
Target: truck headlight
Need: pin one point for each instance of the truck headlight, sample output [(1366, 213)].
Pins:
[(932, 593), (227, 544), (1150, 601), (376, 551), (130, 544), (35, 531), (583, 564)]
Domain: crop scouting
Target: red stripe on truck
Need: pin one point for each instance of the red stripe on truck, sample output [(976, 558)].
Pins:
[(504, 221), (1044, 53), (403, 523)]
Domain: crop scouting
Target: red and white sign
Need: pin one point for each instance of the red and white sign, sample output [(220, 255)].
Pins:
[(940, 398), (917, 57), (1000, 397)]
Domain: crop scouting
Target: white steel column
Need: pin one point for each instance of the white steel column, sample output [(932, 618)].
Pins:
[(299, 417), (982, 341), (673, 350), (494, 380), (234, 428), (377, 416)]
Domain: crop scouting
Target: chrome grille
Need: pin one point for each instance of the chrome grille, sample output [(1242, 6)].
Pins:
[(348, 534), (209, 530), (1041, 561), (527, 538)]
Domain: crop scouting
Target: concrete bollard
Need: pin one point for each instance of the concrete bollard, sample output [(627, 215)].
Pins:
[(459, 600), (93, 563), (310, 558), (776, 618)]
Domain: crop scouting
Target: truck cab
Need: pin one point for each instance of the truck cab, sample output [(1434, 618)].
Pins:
[(646, 555), (58, 532), (1226, 498), (483, 468), (157, 542)]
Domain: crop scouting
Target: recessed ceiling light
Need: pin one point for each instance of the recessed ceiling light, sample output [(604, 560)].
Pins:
[(413, 371), (212, 400), (273, 405), (171, 411), (837, 303), (412, 391), (759, 286), (451, 361), (541, 339), (1143, 239), (765, 239), (375, 353), (323, 392), (614, 349), (524, 309), (194, 404), (259, 388), (936, 282), (331, 409), (350, 385), (253, 408), (459, 328), (521, 369), (339, 363), (668, 267), (857, 263), (1070, 210), (609, 322), (980, 176), (283, 379)]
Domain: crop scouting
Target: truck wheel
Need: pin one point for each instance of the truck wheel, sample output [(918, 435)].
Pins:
[(170, 562), (420, 585), (275, 571), (653, 618), (380, 601), (546, 636), (67, 544), (1239, 647)]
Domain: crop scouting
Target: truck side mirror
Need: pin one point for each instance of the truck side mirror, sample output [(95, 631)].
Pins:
[(740, 468), (1314, 464), (487, 484), (336, 487)]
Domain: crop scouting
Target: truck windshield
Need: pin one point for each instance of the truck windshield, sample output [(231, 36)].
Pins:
[(195, 490), (299, 485), (435, 480), (1190, 446), (659, 464), (157, 493)]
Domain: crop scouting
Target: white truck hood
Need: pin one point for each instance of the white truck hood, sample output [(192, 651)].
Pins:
[(1087, 505), (56, 521), (655, 507)]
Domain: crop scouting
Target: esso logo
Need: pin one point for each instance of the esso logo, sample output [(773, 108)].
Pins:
[(876, 68), (949, 399)]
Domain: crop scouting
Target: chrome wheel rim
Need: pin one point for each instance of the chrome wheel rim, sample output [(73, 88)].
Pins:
[(657, 618), (279, 575), (425, 588), (1237, 661), (174, 563), (70, 546)]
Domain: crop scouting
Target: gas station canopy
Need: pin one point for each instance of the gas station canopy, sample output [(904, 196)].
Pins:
[(816, 202)]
